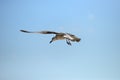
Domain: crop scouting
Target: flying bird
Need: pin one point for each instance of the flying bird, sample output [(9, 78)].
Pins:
[(58, 36)]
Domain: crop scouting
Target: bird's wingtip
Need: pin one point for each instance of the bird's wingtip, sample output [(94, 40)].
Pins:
[(22, 30), (25, 31)]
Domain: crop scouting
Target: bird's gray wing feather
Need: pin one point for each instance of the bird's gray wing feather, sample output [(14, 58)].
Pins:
[(41, 32)]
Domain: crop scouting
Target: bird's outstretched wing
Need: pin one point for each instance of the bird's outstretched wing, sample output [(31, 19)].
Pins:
[(41, 32)]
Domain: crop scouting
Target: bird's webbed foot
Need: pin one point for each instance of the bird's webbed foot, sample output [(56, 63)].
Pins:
[(68, 42)]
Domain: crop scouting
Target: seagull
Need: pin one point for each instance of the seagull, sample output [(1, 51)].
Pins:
[(58, 36)]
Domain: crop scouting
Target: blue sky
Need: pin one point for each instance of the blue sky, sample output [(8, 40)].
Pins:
[(31, 57)]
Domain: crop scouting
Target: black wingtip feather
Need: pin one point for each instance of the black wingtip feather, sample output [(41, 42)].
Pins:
[(25, 31)]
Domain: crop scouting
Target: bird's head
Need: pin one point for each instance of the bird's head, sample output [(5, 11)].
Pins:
[(78, 39)]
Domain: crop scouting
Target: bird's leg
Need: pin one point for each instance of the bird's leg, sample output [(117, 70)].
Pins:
[(68, 42), (52, 40)]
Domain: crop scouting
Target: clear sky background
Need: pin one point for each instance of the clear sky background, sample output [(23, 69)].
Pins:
[(31, 57)]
